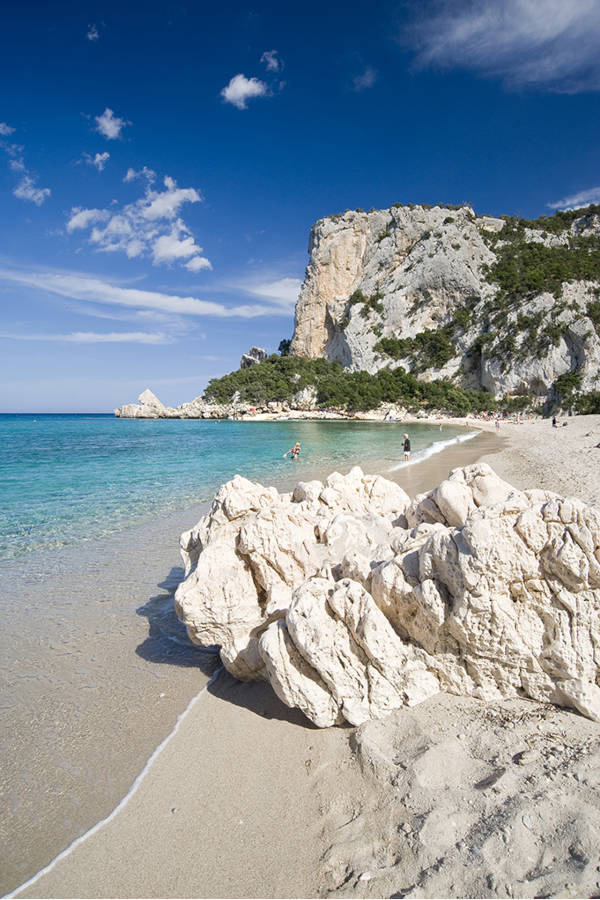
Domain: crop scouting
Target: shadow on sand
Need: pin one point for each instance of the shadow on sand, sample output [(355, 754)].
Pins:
[(257, 697), (168, 643)]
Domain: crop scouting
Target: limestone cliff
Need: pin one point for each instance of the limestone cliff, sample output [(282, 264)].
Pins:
[(495, 303)]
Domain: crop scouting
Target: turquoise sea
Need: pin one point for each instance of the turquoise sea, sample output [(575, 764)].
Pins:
[(66, 478)]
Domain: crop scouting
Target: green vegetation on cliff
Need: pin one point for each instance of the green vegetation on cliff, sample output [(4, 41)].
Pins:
[(279, 378), (525, 268), (432, 347), (556, 224)]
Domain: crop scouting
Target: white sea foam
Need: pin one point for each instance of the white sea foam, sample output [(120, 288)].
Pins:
[(436, 447), (132, 790)]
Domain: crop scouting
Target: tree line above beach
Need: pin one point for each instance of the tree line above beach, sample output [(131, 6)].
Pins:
[(281, 378)]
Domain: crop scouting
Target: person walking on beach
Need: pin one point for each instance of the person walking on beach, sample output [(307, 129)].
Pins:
[(295, 451), (406, 448)]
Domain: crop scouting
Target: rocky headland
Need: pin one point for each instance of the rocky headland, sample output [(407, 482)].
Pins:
[(429, 307)]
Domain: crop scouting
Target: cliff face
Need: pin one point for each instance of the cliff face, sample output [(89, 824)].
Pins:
[(430, 289)]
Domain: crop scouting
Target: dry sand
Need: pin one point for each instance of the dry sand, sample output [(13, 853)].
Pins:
[(451, 798)]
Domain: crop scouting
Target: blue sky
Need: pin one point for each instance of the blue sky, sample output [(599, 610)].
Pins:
[(161, 164)]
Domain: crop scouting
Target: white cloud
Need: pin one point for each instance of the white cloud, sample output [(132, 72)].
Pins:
[(169, 247), (544, 44), (174, 324), (284, 291), (83, 218), (241, 89), (167, 204), (99, 160), (26, 190), (94, 337), (366, 80), (271, 60), (92, 33), (94, 290), (149, 226), (576, 201), (109, 125), (198, 263), (148, 174), (15, 156)]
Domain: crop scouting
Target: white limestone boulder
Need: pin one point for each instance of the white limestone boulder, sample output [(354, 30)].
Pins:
[(507, 605), (219, 605), (147, 407), (233, 500), (280, 547), (294, 680), (369, 671), (357, 492), (464, 491), (492, 593)]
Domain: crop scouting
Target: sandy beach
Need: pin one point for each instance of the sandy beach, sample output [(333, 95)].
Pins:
[(248, 799)]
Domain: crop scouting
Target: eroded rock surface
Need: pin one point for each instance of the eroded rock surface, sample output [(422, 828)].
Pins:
[(352, 601)]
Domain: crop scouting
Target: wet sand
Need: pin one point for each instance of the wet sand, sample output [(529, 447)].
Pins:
[(91, 685)]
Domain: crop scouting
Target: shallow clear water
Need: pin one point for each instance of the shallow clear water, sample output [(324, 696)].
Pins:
[(65, 478)]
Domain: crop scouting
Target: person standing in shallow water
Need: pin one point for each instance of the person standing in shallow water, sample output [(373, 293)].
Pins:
[(406, 448), (295, 451)]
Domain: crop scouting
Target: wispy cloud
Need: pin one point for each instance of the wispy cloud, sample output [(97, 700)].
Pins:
[(109, 125), (576, 201), (241, 89), (198, 264), (366, 80), (271, 60), (168, 322), (83, 218), (94, 290), (26, 189), (281, 292), (152, 225), (93, 337), (99, 160), (145, 172), (541, 44), (92, 33)]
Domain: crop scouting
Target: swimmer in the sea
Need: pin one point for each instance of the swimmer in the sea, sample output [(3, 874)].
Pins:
[(294, 451)]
